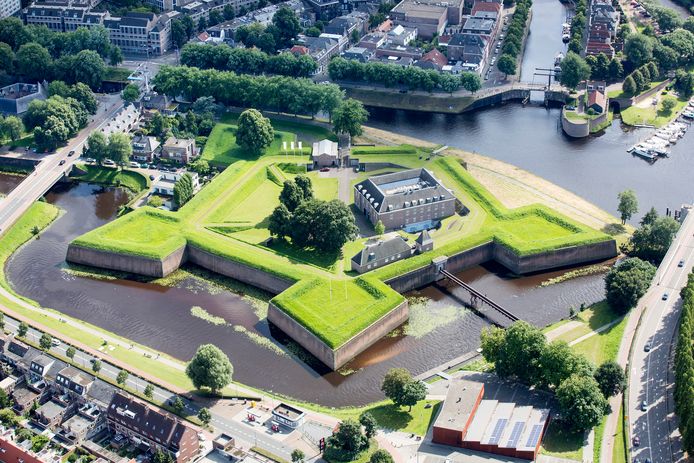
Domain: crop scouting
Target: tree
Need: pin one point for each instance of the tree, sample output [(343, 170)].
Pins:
[(177, 405), (652, 241), (638, 49), (649, 217), (46, 341), (381, 456), (96, 366), (149, 391), (291, 196), (558, 361), (667, 18), (629, 86), (615, 69), (97, 147), (33, 61), (183, 190), (279, 222), (287, 25), (215, 17), (131, 93), (22, 329), (70, 352), (684, 83), (254, 132), (507, 65), (413, 392), (347, 441), (349, 116), (12, 127), (8, 417), (520, 353), (161, 456), (581, 403), (210, 367), (668, 103), (628, 205), (122, 377), (298, 456), (115, 55), (379, 228), (7, 58), (305, 185), (627, 282), (2, 321), (119, 148), (326, 226), (178, 33), (82, 93), (394, 383), (492, 340), (369, 422), (470, 81), (574, 70), (611, 378), (205, 416)]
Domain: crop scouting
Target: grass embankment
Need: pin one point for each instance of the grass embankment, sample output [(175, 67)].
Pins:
[(228, 218), (116, 74), (130, 179)]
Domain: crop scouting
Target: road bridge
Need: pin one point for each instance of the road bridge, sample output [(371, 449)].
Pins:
[(50, 170), (477, 298)]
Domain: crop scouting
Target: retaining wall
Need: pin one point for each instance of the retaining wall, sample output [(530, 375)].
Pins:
[(563, 257), (243, 273), (125, 262), (338, 357)]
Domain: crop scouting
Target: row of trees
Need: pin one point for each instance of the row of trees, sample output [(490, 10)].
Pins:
[(323, 225), (578, 27), (246, 60), (296, 96), (684, 367), (522, 352), (54, 121), (513, 43), (36, 53), (413, 77), (604, 68), (670, 51), (640, 79), (117, 148), (183, 190)]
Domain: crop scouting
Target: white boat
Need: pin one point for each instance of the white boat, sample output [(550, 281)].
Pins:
[(688, 115), (557, 58), (655, 141), (644, 154)]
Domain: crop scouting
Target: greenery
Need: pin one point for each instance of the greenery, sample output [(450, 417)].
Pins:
[(54, 121), (627, 282), (349, 116), (183, 190), (574, 70), (611, 378), (652, 239), (399, 386), (45, 341), (346, 443), (210, 368), (628, 205), (513, 43), (381, 456), (131, 93), (254, 132), (684, 367), (205, 416), (130, 179)]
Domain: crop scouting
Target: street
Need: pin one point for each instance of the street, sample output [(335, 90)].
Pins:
[(650, 373)]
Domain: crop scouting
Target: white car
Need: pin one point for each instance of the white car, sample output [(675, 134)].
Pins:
[(134, 165), (108, 162), (55, 342)]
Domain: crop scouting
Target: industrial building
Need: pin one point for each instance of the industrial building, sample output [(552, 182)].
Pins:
[(413, 200), (504, 428)]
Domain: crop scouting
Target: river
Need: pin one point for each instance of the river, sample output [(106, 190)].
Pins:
[(596, 168)]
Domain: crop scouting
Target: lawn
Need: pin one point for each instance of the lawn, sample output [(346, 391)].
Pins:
[(558, 443), (652, 115), (417, 421), (603, 346), (130, 179), (337, 310), (591, 319), (619, 452), (115, 74)]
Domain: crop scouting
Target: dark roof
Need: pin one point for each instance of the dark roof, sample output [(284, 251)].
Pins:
[(381, 250), (408, 188), (466, 40), (424, 238), (143, 419), (18, 348), (475, 23)]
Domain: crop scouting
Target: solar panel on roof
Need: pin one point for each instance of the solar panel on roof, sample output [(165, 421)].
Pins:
[(498, 431), (516, 432), (534, 435)]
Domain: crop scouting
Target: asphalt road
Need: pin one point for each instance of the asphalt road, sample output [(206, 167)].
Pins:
[(49, 170), (651, 373)]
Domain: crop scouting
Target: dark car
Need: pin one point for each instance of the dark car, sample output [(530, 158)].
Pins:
[(151, 177), (62, 161), (647, 347), (644, 406), (637, 441), (665, 296), (681, 263), (71, 153)]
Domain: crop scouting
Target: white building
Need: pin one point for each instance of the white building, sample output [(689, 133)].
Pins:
[(164, 185), (9, 7)]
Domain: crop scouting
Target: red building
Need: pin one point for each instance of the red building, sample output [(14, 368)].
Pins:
[(467, 420)]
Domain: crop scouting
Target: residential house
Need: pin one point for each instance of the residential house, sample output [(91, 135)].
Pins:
[(596, 99), (51, 414), (181, 150), (479, 25), (384, 251), (468, 48), (152, 427), (24, 399), (321, 49), (414, 53), (87, 422), (21, 452), (159, 102), (325, 154), (360, 54), (372, 41), (433, 59), (145, 148), (164, 185), (72, 381), (15, 354), (346, 25), (400, 35), (40, 365), (492, 6)]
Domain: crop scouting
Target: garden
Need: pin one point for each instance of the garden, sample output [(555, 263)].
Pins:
[(229, 218)]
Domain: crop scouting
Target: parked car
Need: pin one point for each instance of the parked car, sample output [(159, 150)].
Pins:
[(647, 347), (90, 161), (55, 342), (151, 177), (62, 161), (665, 296), (681, 263), (71, 153), (134, 165), (108, 162), (644, 406), (637, 441)]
